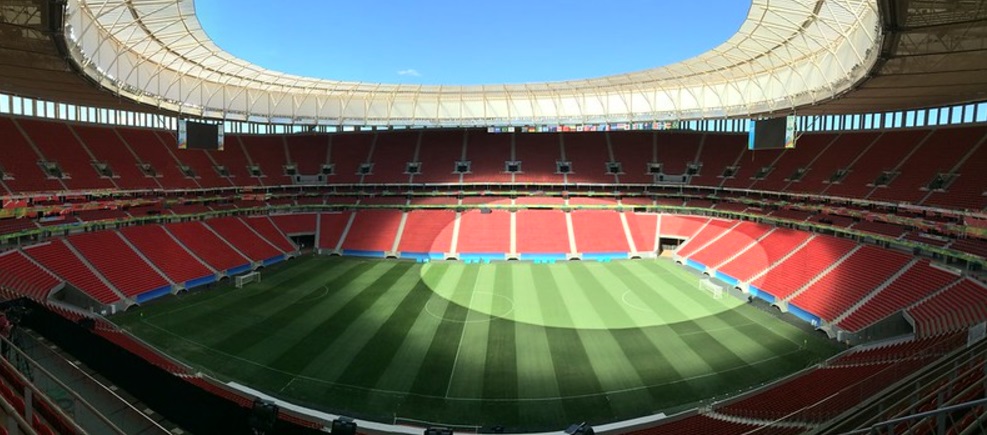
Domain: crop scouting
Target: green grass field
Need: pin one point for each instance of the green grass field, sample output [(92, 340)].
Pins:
[(525, 346)]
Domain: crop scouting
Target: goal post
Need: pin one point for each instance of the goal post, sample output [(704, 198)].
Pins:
[(707, 284), (241, 280)]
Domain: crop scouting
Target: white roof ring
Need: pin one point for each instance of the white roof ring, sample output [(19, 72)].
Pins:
[(787, 54)]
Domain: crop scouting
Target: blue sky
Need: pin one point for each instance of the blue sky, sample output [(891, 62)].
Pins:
[(467, 42)]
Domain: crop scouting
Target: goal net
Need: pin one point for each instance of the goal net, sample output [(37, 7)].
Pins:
[(247, 278), (707, 284)]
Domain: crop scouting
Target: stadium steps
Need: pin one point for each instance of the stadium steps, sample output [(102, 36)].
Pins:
[(187, 250), (399, 232), (92, 156), (687, 241), (864, 300), (346, 232), (812, 161), (904, 159), (788, 424), (454, 245), (93, 270), (957, 167), (34, 146), (370, 160), (261, 236), (713, 240), (277, 230), (822, 274), (627, 232), (140, 254), (798, 248), (513, 244), (137, 157), (851, 166), (318, 230), (740, 252), (571, 232), (227, 242)]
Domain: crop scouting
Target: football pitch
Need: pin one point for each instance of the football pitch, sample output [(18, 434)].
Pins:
[(520, 345)]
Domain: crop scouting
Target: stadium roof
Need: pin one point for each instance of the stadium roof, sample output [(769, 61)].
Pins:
[(822, 56)]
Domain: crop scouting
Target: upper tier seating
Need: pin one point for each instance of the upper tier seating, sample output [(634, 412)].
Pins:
[(438, 154), (207, 245), (59, 259), (538, 155), (832, 157), (118, 262), (392, 153), (270, 155), (150, 149), (155, 243), (20, 162), (588, 154), (915, 157), (487, 154), (347, 153), (107, 147), (58, 143), (634, 150), (308, 152), (939, 153)]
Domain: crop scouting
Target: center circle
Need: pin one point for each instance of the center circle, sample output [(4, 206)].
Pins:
[(577, 295)]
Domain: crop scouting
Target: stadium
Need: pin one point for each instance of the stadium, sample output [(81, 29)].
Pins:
[(786, 234)]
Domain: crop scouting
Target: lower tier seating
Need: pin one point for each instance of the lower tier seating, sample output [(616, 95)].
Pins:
[(19, 273), (118, 262), (162, 250), (207, 245), (57, 257)]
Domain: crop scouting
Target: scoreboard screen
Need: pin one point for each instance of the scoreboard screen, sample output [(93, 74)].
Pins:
[(774, 133), (199, 135)]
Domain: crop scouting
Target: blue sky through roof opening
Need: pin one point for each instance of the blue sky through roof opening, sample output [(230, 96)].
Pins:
[(465, 42)]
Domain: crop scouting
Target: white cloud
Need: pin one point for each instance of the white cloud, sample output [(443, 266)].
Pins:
[(409, 72)]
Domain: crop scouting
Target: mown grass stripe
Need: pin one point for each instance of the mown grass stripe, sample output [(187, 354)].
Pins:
[(500, 376), (323, 333), (619, 365), (434, 377), (467, 378), (573, 367), (249, 323), (380, 352)]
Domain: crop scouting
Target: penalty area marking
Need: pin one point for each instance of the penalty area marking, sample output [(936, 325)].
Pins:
[(623, 298), (487, 316), (308, 299)]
